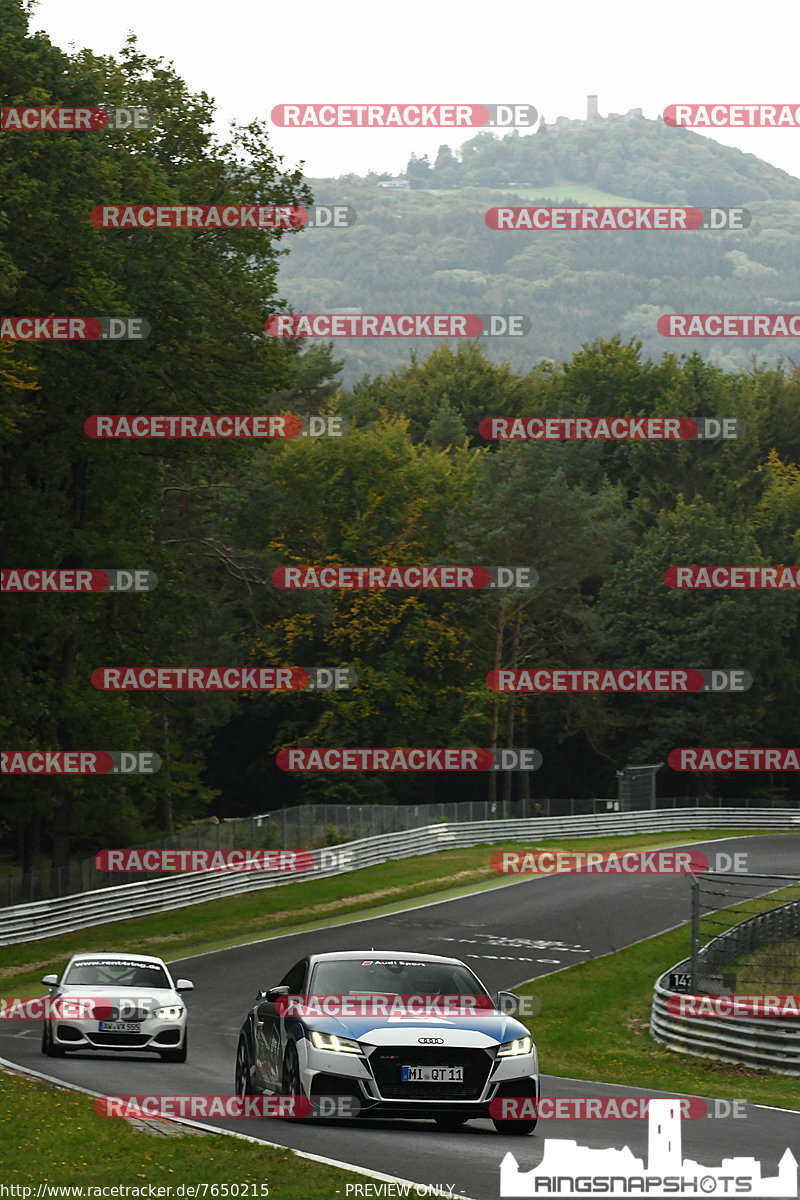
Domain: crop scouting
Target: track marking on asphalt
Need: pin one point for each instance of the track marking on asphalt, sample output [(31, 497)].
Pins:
[(325, 924)]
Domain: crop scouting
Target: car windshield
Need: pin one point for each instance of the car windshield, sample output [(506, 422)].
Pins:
[(116, 973), (393, 977)]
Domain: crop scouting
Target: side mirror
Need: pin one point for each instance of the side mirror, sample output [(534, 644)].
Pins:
[(50, 980), (508, 1002), (272, 993), (266, 1001), (184, 985)]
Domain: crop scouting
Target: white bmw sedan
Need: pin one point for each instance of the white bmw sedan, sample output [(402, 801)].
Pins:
[(116, 1002)]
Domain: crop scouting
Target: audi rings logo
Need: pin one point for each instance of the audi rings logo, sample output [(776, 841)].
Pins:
[(431, 1041)]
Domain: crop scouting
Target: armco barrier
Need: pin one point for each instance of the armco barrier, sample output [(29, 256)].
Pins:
[(772, 1042), (44, 918), (766, 1042)]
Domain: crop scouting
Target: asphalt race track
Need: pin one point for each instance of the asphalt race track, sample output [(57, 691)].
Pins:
[(508, 935)]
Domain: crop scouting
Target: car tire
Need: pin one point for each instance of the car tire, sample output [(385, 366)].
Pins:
[(451, 1120), (242, 1083), (179, 1055), (48, 1048), (290, 1074)]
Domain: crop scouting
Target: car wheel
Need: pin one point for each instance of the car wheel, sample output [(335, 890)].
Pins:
[(176, 1055), (290, 1075), (47, 1043), (242, 1083), (451, 1120)]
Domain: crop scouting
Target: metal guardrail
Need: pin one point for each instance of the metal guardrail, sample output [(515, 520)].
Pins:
[(771, 1042), (311, 825), (46, 918)]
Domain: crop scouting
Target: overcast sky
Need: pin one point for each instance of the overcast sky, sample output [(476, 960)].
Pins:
[(252, 54)]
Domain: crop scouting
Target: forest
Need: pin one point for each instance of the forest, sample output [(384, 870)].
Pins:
[(410, 481)]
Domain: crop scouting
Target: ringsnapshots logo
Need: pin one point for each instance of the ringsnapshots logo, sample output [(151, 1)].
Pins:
[(398, 325), (718, 116), (663, 681), (76, 120), (633, 218), (90, 580), (79, 762), (739, 578), (223, 679), (262, 425), (73, 329), (425, 577), (731, 758), (346, 758), (570, 1170), (611, 429), (403, 116), (135, 860), (742, 325), (614, 862)]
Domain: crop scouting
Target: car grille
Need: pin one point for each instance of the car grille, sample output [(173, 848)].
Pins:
[(387, 1063), (118, 1039)]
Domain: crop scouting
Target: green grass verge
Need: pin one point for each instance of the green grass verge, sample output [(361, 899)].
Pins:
[(773, 968), (594, 1025), (301, 905), (51, 1135)]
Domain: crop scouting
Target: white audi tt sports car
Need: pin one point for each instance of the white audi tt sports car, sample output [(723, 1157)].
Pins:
[(116, 1002), (377, 1032)]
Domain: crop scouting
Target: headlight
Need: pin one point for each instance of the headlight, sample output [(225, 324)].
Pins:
[(173, 1012), (329, 1041), (518, 1046)]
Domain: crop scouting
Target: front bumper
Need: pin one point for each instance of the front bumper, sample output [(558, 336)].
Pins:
[(374, 1078), (152, 1034)]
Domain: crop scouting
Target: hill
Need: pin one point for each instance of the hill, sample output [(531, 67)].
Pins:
[(428, 249)]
